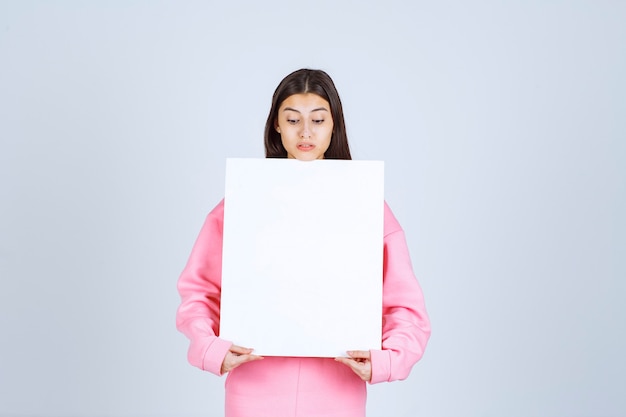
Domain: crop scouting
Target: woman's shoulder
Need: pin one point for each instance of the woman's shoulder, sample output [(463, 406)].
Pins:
[(391, 224), (217, 213), (219, 208)]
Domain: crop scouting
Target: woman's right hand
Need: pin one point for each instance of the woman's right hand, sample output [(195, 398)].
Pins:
[(236, 356)]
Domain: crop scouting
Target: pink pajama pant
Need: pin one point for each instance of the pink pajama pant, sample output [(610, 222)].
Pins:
[(294, 387)]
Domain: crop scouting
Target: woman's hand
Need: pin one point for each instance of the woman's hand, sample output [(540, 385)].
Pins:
[(360, 363), (236, 356)]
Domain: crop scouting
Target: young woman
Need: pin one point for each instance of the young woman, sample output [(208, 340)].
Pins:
[(305, 122)]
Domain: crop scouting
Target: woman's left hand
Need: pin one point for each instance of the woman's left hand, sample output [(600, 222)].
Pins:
[(360, 363)]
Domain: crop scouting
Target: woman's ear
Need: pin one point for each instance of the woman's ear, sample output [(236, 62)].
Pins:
[(276, 127)]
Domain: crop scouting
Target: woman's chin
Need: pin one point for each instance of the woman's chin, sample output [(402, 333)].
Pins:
[(307, 157)]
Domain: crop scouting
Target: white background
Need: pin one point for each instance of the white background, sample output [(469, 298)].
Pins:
[(502, 126)]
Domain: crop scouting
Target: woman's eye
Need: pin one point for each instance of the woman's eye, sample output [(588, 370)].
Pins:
[(318, 121), (292, 121)]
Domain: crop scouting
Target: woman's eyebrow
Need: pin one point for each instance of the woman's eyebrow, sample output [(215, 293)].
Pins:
[(298, 111)]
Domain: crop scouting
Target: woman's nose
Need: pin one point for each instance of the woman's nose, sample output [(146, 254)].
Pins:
[(306, 131)]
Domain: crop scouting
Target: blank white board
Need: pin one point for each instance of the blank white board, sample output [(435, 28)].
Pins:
[(303, 256)]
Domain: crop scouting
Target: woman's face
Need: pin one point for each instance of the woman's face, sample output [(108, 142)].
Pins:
[(305, 124)]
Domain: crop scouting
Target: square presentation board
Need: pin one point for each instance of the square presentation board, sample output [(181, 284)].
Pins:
[(302, 261)]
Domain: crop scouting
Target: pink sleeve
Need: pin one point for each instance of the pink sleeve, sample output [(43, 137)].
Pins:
[(406, 327), (199, 286)]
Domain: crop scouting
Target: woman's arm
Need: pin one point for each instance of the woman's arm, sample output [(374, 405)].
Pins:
[(199, 287), (406, 327)]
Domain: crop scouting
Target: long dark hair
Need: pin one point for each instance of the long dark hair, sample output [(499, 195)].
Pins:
[(305, 81)]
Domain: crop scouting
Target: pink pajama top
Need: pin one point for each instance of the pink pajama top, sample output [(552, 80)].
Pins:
[(300, 387)]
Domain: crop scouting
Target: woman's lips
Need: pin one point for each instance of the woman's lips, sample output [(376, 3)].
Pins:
[(306, 146)]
